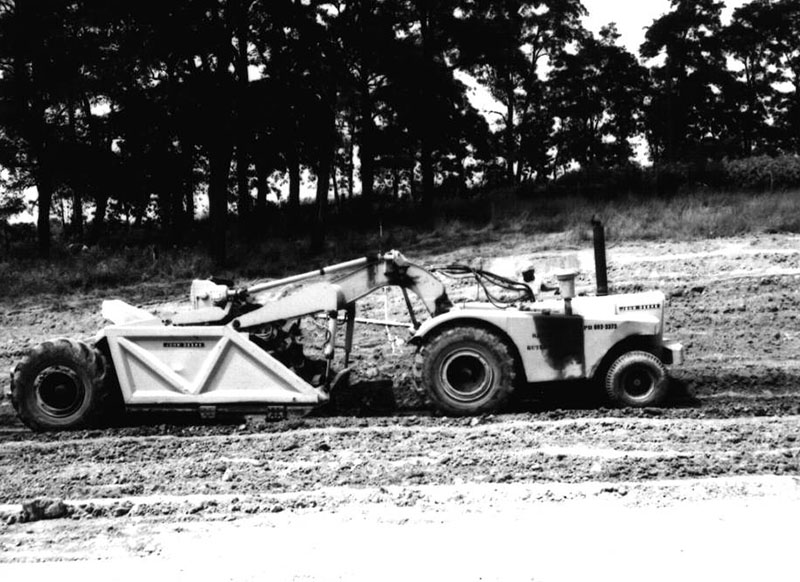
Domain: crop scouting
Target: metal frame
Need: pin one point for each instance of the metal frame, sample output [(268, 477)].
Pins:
[(201, 365)]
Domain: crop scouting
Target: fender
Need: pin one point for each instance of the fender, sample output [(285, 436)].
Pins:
[(491, 316)]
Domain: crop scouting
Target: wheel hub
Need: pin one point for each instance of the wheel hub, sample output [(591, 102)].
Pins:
[(59, 391), (638, 381), (466, 375)]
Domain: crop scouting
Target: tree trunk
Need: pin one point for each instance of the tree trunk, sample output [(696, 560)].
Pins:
[(349, 168), (138, 214), (44, 185), (242, 183), (76, 220), (426, 166), (262, 180), (220, 162), (101, 192), (240, 10), (323, 186), (365, 153), (509, 139), (674, 125), (187, 164), (293, 161), (335, 180), (188, 200), (167, 201), (426, 127), (327, 148), (412, 193), (462, 177), (98, 223), (263, 216)]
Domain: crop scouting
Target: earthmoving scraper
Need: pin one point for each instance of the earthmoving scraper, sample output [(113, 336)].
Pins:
[(235, 351)]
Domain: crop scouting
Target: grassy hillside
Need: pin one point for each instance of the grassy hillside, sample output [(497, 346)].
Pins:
[(680, 217), (500, 217)]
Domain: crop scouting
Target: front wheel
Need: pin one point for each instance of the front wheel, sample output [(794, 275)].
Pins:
[(62, 384), (637, 379), (468, 370)]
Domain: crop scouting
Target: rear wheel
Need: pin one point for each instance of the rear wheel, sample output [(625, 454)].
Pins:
[(637, 379), (468, 370), (61, 384)]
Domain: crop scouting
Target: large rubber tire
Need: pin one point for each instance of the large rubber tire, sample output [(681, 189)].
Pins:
[(637, 379), (468, 371), (62, 384)]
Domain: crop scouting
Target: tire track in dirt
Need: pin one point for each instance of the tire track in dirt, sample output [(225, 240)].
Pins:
[(502, 452)]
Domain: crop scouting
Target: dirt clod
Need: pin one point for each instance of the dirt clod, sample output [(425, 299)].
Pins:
[(44, 508)]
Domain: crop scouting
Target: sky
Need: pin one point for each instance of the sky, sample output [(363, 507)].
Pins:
[(633, 16)]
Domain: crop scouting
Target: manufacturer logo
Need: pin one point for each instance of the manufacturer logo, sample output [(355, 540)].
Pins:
[(184, 344), (639, 307)]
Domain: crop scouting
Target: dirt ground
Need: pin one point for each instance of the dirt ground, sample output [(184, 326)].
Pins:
[(379, 487)]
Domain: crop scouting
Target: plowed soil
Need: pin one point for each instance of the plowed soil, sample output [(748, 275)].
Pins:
[(379, 464)]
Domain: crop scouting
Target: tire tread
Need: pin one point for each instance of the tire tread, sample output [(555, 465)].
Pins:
[(100, 392), (459, 334), (616, 396)]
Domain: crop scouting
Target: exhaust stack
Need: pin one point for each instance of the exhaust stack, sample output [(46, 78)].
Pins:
[(600, 268)]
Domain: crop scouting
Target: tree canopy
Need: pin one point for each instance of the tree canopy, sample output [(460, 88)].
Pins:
[(163, 111)]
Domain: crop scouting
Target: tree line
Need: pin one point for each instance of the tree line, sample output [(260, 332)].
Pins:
[(144, 108)]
